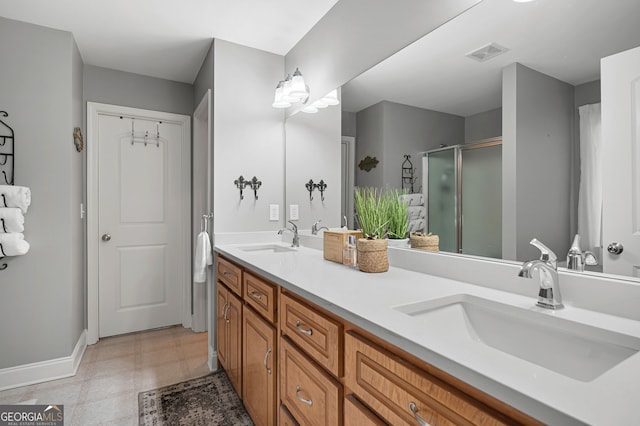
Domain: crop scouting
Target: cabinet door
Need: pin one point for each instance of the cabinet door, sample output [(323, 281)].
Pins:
[(356, 414), (234, 331), (259, 366), (221, 324)]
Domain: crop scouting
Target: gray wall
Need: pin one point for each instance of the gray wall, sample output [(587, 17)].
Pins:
[(204, 79), (348, 124), (42, 303), (248, 137), (538, 113), (137, 91), (389, 130), (483, 125)]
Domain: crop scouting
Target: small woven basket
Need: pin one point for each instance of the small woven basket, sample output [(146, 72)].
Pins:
[(424, 242), (372, 255)]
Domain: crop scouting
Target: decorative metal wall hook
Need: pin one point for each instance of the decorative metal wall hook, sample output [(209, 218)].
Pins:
[(321, 187), (408, 172), (310, 187), (255, 184), (7, 142), (240, 183)]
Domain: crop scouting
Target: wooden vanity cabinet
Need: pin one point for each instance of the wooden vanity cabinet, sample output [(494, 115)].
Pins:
[(229, 327), (293, 362)]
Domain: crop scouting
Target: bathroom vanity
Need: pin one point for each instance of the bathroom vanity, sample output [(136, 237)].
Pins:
[(332, 345)]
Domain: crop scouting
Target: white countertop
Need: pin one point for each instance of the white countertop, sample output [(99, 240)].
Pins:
[(367, 300)]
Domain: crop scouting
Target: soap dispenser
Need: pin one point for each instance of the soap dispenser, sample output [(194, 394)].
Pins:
[(576, 258)]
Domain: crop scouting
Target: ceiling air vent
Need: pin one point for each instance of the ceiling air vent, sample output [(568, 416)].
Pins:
[(487, 52)]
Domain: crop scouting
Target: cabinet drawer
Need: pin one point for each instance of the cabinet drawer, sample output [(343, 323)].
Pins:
[(261, 295), (320, 337), (356, 414), (230, 274), (394, 388), (286, 419), (312, 396)]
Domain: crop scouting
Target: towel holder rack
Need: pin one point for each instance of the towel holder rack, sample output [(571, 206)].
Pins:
[(7, 139), (3, 266)]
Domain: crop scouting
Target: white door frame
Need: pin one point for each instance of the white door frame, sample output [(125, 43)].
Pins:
[(94, 110), (350, 172)]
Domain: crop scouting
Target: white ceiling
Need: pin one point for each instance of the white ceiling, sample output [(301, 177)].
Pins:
[(169, 38), (561, 38)]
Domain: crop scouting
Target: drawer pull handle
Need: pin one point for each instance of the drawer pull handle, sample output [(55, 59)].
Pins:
[(255, 295), (306, 331), (225, 273), (301, 399), (414, 410), (226, 311), (265, 360)]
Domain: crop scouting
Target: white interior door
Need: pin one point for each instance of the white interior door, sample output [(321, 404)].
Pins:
[(139, 220), (621, 143)]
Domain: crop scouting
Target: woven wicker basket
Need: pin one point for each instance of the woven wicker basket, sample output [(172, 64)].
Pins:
[(372, 255), (425, 242)]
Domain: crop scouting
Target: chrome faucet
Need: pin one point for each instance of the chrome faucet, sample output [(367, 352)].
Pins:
[(549, 296), (294, 231), (315, 229)]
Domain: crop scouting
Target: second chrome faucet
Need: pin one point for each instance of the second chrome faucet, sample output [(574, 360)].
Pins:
[(549, 296), (294, 231)]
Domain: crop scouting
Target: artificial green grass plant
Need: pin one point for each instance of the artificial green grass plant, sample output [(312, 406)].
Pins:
[(398, 220), (372, 212)]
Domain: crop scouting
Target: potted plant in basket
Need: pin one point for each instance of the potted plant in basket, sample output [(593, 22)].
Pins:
[(372, 213), (398, 220)]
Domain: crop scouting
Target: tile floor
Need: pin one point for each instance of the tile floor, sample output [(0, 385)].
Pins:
[(113, 372)]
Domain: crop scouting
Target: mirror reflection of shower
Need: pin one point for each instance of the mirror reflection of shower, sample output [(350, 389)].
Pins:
[(463, 190)]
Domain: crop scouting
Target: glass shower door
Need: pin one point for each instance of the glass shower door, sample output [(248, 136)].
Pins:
[(481, 201), (442, 198)]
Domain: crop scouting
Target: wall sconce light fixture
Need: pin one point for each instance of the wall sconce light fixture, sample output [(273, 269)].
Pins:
[(291, 90)]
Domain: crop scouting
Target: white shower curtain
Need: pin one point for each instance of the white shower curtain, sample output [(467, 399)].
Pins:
[(590, 193)]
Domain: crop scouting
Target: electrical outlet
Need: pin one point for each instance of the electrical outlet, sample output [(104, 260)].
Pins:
[(274, 212), (293, 212)]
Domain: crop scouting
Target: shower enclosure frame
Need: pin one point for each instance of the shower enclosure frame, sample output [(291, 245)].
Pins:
[(458, 152)]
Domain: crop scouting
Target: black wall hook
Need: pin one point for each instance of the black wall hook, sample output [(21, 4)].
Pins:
[(255, 184), (321, 187), (310, 187)]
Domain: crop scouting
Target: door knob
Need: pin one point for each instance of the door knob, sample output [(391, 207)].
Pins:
[(615, 248), (106, 237)]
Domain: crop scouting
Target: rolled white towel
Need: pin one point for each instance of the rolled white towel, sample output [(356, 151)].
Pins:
[(416, 212), (11, 220), (15, 196), (202, 258), (13, 245), (413, 199)]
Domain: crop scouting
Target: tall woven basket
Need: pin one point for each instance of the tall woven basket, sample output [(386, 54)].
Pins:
[(421, 241), (372, 255)]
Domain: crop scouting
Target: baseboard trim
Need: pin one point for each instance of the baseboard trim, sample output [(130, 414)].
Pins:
[(212, 359), (44, 371)]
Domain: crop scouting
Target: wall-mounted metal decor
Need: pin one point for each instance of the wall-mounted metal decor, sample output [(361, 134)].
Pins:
[(241, 183), (320, 186), (368, 163), (7, 141), (78, 139), (408, 174)]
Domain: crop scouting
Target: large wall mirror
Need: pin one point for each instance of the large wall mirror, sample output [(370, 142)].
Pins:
[(434, 94)]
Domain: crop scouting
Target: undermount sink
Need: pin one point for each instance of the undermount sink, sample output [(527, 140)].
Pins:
[(267, 248), (572, 349)]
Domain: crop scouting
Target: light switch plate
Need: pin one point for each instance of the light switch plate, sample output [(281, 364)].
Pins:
[(293, 212), (274, 212)]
